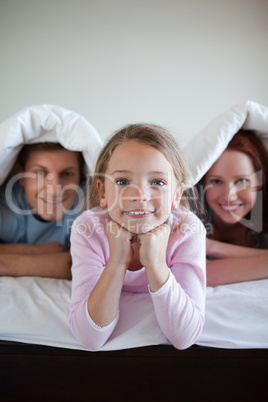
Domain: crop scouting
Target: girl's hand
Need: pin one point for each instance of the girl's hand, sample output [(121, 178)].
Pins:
[(120, 243), (153, 246)]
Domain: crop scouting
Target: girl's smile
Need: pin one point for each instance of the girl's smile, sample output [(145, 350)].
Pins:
[(139, 213), (139, 187)]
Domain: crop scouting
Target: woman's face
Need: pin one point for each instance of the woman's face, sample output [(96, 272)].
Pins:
[(231, 186)]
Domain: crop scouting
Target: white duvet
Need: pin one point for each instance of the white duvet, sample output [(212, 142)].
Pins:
[(35, 310), (47, 123)]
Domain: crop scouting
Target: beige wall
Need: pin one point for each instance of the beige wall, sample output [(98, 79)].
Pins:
[(174, 62)]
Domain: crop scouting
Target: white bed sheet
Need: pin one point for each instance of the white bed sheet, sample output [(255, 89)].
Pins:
[(36, 310)]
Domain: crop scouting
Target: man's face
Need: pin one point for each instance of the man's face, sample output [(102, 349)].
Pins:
[(50, 180)]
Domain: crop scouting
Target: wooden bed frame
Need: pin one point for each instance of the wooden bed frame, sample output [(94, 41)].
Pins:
[(154, 373)]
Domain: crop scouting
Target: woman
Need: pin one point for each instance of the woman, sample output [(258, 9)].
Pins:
[(234, 190)]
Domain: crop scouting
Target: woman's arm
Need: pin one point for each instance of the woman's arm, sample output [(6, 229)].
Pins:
[(238, 269), (234, 264), (52, 265), (218, 249)]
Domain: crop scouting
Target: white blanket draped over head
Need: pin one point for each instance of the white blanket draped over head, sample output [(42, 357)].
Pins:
[(47, 123), (207, 145), (35, 310)]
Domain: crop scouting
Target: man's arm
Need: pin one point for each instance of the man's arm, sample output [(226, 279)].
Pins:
[(52, 265), (44, 248)]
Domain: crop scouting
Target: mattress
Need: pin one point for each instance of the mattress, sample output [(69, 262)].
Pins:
[(36, 310)]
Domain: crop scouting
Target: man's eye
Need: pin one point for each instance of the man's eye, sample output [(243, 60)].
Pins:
[(67, 174), (215, 182), (121, 182), (158, 183)]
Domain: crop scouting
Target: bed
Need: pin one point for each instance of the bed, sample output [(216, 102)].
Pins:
[(40, 359)]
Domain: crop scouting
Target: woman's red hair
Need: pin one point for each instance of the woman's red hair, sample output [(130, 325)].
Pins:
[(250, 144)]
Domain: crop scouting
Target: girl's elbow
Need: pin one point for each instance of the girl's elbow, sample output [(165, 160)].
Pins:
[(90, 342), (93, 347), (183, 344), (188, 338), (87, 337)]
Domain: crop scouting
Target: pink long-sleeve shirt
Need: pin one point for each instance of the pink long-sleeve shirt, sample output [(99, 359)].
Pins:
[(179, 304)]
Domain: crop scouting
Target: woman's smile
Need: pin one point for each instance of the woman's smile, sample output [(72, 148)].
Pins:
[(231, 186), (230, 208)]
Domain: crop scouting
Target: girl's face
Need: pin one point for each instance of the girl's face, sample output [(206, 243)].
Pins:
[(140, 187), (231, 186), (51, 180)]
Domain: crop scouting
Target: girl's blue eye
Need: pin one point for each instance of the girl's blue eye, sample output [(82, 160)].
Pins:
[(40, 172), (121, 182), (158, 183)]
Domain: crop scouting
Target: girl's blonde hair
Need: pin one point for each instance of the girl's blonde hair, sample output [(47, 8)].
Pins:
[(147, 134)]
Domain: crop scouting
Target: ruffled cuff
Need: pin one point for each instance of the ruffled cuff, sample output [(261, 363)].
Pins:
[(97, 327), (163, 288)]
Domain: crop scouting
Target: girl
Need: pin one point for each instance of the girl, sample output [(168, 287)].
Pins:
[(133, 242), (235, 193)]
